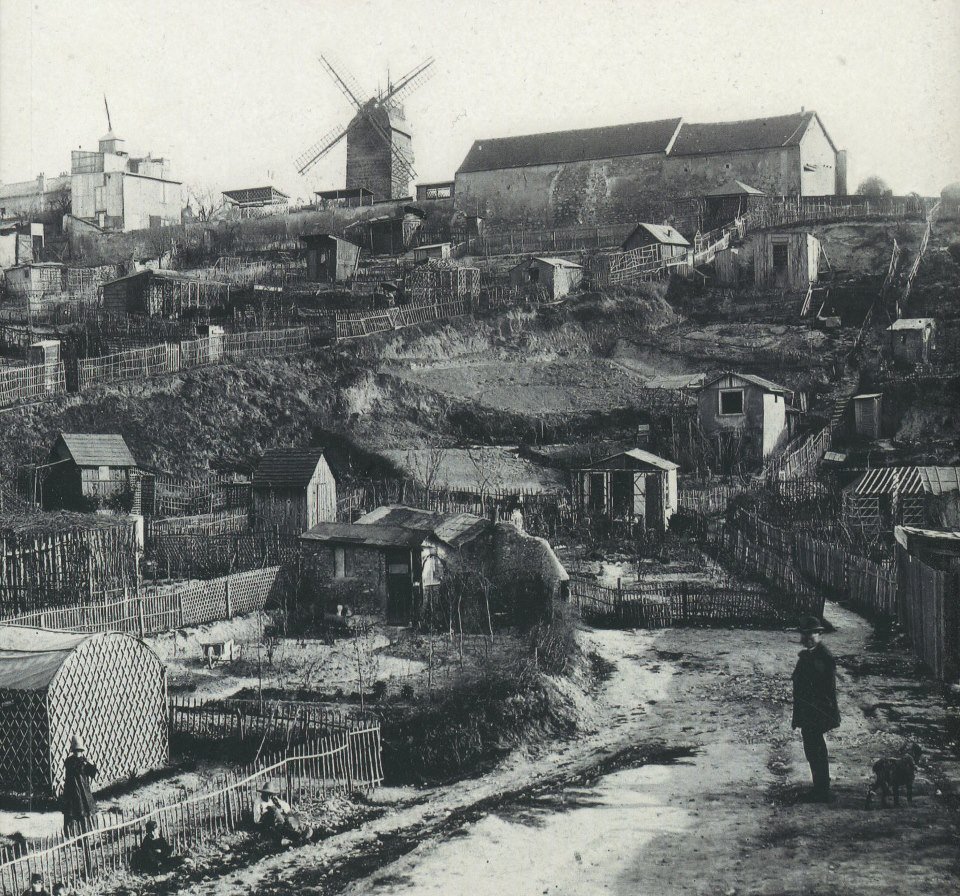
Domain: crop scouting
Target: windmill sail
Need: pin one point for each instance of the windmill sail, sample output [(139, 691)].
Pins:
[(412, 80), (346, 82), (319, 149)]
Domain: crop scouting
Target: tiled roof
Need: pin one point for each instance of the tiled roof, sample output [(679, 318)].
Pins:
[(289, 467), (638, 454), (661, 233), (736, 136), (98, 449), (640, 138), (454, 529), (763, 383)]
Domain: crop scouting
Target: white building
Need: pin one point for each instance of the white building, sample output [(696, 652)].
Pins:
[(116, 191)]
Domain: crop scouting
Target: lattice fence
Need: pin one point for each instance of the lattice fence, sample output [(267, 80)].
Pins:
[(31, 383)]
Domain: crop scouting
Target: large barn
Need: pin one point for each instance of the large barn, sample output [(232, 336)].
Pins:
[(600, 173)]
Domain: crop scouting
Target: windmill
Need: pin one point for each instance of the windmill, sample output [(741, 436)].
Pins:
[(379, 149)]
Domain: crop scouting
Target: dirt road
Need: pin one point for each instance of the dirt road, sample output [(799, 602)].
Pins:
[(689, 785)]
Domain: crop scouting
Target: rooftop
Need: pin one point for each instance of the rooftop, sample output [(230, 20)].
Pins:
[(765, 384), (288, 467), (661, 233), (912, 323), (97, 449), (455, 529), (737, 136)]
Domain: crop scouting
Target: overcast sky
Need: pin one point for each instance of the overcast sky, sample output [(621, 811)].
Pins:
[(231, 90)]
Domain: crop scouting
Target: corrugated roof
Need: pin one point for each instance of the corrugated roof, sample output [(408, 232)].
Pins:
[(662, 233), (765, 384), (30, 657), (645, 457), (454, 529), (371, 535), (907, 480), (736, 136), (911, 323), (640, 138), (98, 449), (290, 467)]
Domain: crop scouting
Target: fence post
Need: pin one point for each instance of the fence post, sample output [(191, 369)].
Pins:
[(227, 599), (140, 623), (179, 609)]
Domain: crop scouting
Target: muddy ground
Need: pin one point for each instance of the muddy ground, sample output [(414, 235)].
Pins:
[(686, 781)]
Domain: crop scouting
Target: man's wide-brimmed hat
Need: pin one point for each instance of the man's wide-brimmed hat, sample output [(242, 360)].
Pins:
[(36, 878), (810, 624), (151, 825), (269, 789), (76, 745)]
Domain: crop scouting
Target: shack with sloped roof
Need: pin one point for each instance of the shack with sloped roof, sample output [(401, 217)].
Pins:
[(293, 490), (85, 471), (109, 690), (554, 277)]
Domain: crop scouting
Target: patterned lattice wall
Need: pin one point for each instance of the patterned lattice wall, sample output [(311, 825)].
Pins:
[(111, 691), (23, 741)]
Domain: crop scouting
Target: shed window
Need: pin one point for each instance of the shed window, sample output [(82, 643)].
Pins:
[(779, 256), (731, 402), (103, 474), (343, 562)]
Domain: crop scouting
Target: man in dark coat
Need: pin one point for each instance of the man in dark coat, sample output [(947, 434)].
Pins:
[(36, 887), (79, 806), (153, 855), (815, 708)]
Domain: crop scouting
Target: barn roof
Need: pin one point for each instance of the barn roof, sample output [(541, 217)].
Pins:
[(98, 449), (31, 657), (907, 480), (454, 529), (661, 233), (738, 136), (289, 467), (640, 138)]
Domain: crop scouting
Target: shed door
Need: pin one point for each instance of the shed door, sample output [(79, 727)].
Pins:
[(654, 509), (399, 587), (598, 492), (621, 493)]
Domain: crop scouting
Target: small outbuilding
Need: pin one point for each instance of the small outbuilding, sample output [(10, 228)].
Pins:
[(556, 276), (671, 242), (727, 202), (109, 690), (163, 293), (330, 259), (910, 339), (635, 486), (785, 260), (36, 279), (85, 470), (746, 409), (431, 251), (293, 490)]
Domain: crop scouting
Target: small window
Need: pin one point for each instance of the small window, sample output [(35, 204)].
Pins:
[(779, 256), (343, 563), (104, 474), (731, 402)]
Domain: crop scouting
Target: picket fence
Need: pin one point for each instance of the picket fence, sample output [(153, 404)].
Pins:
[(658, 605), (340, 763), (801, 459), (166, 358), (232, 521), (162, 609)]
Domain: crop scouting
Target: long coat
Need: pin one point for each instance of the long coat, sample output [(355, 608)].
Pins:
[(815, 690), (78, 801)]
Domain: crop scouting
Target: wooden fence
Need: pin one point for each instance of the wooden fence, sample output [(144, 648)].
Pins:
[(31, 383), (800, 459), (166, 358), (203, 556), (929, 611), (339, 763), (657, 605), (234, 521), (162, 609), (915, 266), (366, 323)]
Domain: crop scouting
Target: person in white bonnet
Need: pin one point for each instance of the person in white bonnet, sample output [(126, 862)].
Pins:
[(516, 515)]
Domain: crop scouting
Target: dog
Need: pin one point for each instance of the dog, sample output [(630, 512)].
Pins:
[(892, 773)]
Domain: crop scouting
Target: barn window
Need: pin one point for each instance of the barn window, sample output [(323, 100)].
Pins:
[(779, 256), (731, 402)]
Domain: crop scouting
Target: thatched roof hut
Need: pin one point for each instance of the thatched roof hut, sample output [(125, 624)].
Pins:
[(108, 689)]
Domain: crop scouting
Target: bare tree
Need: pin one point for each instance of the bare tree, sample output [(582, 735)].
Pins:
[(206, 200)]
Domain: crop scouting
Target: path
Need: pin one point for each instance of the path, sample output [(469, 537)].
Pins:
[(588, 819)]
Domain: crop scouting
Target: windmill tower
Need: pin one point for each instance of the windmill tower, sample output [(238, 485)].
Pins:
[(379, 146)]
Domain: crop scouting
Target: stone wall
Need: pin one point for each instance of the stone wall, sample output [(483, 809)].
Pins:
[(365, 590)]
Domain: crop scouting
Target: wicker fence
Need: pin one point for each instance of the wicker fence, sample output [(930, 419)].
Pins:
[(203, 556), (340, 763), (366, 323), (31, 383), (233, 521), (800, 459), (163, 609)]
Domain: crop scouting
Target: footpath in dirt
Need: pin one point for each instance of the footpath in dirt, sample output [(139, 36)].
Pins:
[(689, 784)]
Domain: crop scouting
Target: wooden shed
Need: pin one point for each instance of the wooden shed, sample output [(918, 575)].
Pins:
[(109, 690), (636, 486), (556, 276), (866, 414), (293, 490), (785, 260), (84, 471), (431, 251), (330, 259), (910, 339), (671, 242), (163, 294), (730, 200)]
